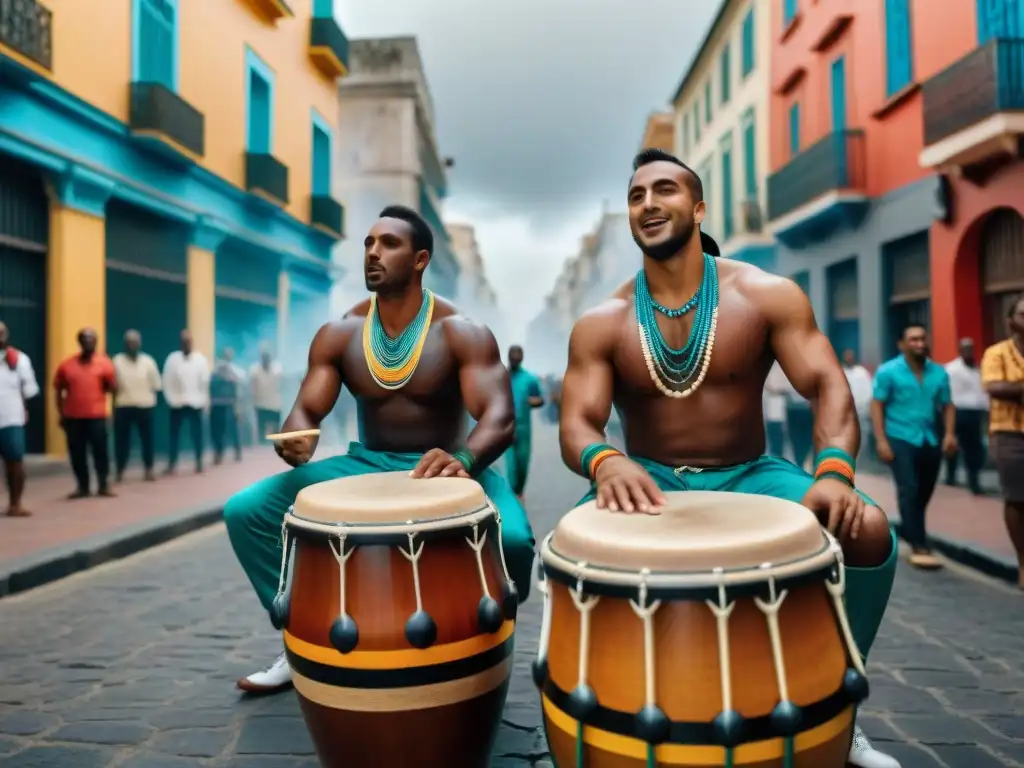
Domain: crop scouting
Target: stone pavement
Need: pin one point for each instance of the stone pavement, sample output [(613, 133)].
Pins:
[(132, 665)]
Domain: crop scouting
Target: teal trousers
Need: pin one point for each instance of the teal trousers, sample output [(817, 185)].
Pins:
[(867, 589), (517, 461), (254, 516)]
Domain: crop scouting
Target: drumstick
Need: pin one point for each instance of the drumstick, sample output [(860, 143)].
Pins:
[(297, 433)]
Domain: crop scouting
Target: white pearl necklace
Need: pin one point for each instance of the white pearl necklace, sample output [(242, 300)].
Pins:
[(705, 362)]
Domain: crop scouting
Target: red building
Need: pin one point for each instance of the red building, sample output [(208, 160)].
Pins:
[(897, 189)]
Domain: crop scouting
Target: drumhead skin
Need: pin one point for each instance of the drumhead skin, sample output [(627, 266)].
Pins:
[(388, 497)]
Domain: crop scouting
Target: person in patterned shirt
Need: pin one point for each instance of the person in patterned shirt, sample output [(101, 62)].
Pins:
[(1002, 374)]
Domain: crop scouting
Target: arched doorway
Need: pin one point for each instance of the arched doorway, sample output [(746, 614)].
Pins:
[(1001, 260)]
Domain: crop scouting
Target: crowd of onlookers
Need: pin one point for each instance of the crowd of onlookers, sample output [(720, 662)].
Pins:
[(94, 392)]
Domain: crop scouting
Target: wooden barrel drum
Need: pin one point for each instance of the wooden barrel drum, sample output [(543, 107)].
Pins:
[(713, 634), (398, 616)]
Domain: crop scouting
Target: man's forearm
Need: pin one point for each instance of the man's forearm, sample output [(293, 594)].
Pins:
[(949, 419), (878, 420), (1012, 391), (574, 439), (490, 438), (835, 418)]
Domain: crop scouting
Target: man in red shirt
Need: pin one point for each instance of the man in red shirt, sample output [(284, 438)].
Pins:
[(83, 383)]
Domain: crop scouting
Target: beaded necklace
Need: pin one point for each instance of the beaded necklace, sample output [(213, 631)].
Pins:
[(393, 361), (674, 313), (675, 372)]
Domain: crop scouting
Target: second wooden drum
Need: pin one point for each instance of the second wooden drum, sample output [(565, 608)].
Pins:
[(713, 634), (398, 617)]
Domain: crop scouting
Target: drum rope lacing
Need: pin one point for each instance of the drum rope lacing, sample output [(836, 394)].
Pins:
[(722, 610), (342, 557), (413, 556)]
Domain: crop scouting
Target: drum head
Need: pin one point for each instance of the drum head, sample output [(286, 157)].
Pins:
[(388, 497), (696, 531)]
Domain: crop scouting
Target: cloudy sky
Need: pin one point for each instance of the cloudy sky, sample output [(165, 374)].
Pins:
[(542, 103)]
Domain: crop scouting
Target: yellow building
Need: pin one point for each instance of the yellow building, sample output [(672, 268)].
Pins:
[(164, 164)]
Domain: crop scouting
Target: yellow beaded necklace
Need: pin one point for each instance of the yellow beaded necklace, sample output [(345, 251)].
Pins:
[(402, 355)]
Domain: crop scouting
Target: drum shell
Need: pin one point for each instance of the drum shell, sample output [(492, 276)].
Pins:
[(688, 676), (376, 692)]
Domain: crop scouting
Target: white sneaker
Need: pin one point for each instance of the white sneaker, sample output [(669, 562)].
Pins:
[(863, 755), (276, 677)]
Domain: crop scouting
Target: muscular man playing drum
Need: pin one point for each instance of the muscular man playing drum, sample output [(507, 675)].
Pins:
[(415, 366), (682, 352)]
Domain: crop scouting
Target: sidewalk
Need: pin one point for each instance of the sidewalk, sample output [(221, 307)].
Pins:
[(63, 537), (964, 527)]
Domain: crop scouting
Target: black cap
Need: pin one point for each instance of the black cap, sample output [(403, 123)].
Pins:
[(709, 245)]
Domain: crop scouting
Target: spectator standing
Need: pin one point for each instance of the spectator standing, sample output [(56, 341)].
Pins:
[(265, 383), (861, 387), (225, 388), (971, 403), (82, 384), (776, 398), (138, 382), (1002, 372), (17, 385), (910, 391), (187, 391)]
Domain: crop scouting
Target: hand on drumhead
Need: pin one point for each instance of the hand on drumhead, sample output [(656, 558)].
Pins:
[(295, 451), (438, 463), (838, 506), (624, 486)]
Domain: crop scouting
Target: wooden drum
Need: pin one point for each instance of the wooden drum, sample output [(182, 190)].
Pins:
[(398, 615), (713, 634)]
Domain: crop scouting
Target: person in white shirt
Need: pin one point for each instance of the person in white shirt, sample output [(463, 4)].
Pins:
[(187, 392), (138, 381), (265, 384), (971, 403), (17, 385), (776, 397), (225, 384), (862, 388)]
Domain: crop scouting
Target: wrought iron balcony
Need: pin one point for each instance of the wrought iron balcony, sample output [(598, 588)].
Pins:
[(833, 164), (266, 177), (974, 109), (160, 113), (327, 215), (26, 27), (328, 47)]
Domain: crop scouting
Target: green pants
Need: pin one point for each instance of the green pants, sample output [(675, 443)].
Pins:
[(254, 516), (867, 589), (517, 462)]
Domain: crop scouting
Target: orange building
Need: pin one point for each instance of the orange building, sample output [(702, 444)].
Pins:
[(894, 192)]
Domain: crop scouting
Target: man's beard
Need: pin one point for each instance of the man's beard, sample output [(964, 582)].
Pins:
[(666, 250)]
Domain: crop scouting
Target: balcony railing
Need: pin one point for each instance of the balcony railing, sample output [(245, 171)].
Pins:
[(327, 214), (157, 110), (328, 47), (266, 177), (983, 83), (835, 163), (271, 10), (26, 26)]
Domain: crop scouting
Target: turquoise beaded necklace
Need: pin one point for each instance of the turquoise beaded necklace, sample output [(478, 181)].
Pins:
[(674, 313), (395, 354), (679, 372)]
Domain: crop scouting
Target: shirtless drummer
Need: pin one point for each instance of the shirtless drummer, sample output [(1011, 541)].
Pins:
[(693, 422), (412, 422)]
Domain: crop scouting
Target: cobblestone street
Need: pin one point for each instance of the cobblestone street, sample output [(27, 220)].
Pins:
[(133, 665)]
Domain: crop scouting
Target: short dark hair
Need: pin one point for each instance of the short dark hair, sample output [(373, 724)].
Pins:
[(909, 327), (653, 155), (422, 235), (1011, 308)]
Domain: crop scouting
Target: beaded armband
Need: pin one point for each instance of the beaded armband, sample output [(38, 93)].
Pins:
[(835, 463), (466, 459), (593, 455)]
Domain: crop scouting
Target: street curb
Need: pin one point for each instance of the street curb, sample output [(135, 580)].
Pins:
[(57, 563), (971, 555)]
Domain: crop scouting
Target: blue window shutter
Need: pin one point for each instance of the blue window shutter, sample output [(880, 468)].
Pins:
[(748, 43), (696, 122), (898, 54), (724, 65), (750, 160), (727, 204), (321, 162), (707, 101), (794, 129), (789, 8), (156, 44), (259, 114)]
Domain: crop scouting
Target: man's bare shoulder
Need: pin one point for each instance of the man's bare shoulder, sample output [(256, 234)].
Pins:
[(601, 326), (764, 290), (625, 291), (465, 336), (362, 309)]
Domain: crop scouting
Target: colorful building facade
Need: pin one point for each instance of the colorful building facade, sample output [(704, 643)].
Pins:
[(164, 164), (721, 108), (895, 195)]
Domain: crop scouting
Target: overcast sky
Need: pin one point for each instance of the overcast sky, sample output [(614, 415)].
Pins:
[(542, 103)]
